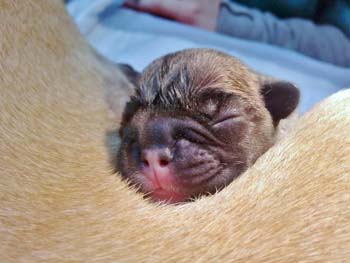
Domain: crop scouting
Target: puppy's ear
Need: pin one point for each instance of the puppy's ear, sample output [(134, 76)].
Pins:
[(281, 99), (132, 75)]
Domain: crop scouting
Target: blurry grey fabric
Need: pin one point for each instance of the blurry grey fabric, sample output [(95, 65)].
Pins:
[(326, 43)]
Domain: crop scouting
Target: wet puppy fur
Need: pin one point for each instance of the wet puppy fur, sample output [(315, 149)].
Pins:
[(203, 117)]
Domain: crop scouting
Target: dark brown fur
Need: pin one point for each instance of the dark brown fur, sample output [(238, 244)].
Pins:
[(202, 85)]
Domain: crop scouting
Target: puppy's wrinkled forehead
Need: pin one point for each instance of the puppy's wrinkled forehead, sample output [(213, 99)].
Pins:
[(173, 84), (179, 78)]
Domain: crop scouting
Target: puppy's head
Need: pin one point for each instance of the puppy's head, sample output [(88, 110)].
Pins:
[(198, 119)]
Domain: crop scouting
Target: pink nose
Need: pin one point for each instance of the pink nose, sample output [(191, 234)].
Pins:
[(156, 158), (155, 166)]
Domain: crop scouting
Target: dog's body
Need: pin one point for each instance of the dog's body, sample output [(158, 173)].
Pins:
[(59, 201)]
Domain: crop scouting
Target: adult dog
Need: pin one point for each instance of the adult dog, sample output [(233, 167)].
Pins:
[(60, 202)]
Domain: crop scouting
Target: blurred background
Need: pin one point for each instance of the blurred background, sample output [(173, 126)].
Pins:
[(306, 42)]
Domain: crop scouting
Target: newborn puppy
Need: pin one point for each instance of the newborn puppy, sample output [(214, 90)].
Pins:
[(199, 118)]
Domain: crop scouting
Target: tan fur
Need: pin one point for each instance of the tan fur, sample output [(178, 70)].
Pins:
[(59, 201)]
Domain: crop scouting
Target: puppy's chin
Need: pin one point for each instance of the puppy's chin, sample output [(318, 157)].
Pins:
[(169, 193), (172, 191), (169, 197)]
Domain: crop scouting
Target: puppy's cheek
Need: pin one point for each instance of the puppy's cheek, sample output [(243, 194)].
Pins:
[(222, 180), (231, 130), (127, 167)]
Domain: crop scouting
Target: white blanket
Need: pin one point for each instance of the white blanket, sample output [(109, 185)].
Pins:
[(127, 36)]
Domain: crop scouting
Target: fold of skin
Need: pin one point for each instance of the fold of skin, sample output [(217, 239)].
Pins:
[(60, 202)]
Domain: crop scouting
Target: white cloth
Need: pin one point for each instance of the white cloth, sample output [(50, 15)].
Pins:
[(126, 36)]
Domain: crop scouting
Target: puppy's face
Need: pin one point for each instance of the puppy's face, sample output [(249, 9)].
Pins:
[(183, 136)]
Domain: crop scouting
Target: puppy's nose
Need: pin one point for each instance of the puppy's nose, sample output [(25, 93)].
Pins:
[(156, 158)]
